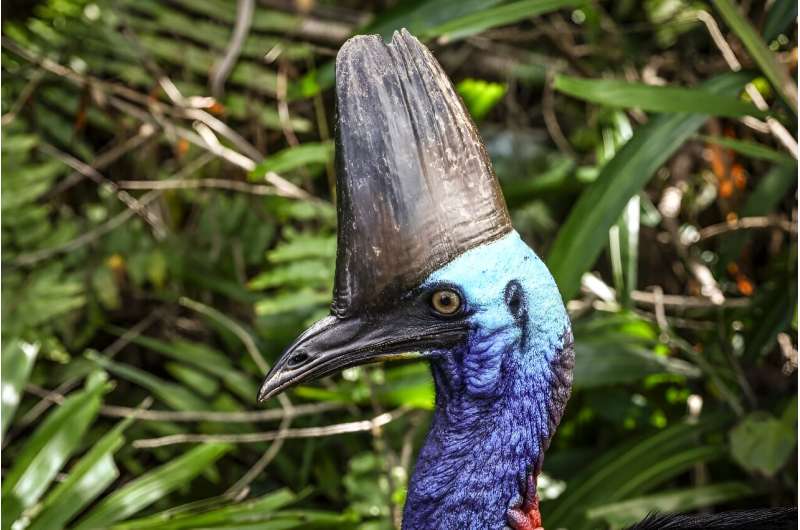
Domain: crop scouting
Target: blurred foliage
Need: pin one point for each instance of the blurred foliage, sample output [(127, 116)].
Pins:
[(159, 245)]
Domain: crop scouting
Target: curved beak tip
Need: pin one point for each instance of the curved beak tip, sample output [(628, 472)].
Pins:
[(270, 388)]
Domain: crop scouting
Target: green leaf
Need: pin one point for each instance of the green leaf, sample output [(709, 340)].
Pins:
[(583, 235), (192, 516), (293, 158), (781, 16), (420, 17), (602, 363), (674, 501), (46, 451), (408, 386), (762, 443), (622, 94), (204, 358), (618, 348), (93, 473), (493, 17), (174, 395), (480, 96), (152, 486), (751, 149), (18, 358), (642, 464), (759, 51)]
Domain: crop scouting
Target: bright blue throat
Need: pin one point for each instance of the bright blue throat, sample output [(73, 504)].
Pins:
[(499, 396)]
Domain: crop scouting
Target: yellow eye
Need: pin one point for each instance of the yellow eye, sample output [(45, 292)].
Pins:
[(446, 302)]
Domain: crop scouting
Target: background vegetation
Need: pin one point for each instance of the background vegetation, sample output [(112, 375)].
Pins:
[(168, 226)]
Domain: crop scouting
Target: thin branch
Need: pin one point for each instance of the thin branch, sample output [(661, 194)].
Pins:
[(783, 136), (257, 437), (550, 118), (669, 206), (84, 239), (284, 187), (31, 258), (105, 159), (231, 325), (745, 223), (684, 302), (175, 184), (126, 198), (23, 98), (186, 107), (186, 416), (241, 487), (283, 106), (67, 386), (244, 18)]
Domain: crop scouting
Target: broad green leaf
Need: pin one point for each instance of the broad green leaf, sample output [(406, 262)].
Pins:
[(616, 349), (81, 492), (674, 501), (193, 379), (293, 158), (781, 16), (295, 274), (152, 486), (420, 17), (493, 17), (669, 466), (641, 463), (176, 396), (53, 442), (410, 386), (759, 51), (480, 96), (762, 443), (624, 248), (651, 98), (603, 363), (751, 149), (192, 516), (583, 235), (202, 357), (302, 300), (789, 416), (449, 19), (18, 358), (303, 246), (93, 473)]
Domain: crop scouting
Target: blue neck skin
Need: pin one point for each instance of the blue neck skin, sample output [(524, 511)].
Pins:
[(499, 396)]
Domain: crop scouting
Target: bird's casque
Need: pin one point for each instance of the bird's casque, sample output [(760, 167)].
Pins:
[(428, 262)]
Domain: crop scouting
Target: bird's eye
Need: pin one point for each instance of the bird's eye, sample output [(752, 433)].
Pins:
[(446, 302)]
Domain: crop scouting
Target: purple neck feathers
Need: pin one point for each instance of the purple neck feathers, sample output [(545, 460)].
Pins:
[(487, 437)]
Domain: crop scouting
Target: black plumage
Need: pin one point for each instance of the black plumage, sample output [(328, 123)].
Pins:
[(762, 519)]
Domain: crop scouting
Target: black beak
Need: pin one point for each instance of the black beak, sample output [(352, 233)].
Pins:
[(335, 343)]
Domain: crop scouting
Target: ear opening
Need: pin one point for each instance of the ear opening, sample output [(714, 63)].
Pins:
[(515, 300)]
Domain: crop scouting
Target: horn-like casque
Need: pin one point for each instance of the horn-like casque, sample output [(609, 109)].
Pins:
[(415, 185)]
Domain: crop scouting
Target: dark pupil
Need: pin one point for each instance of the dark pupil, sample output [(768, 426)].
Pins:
[(445, 300)]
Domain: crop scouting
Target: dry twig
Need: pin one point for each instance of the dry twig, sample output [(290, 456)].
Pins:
[(256, 437), (783, 136), (745, 223)]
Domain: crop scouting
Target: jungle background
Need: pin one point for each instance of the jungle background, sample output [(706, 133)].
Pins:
[(168, 226)]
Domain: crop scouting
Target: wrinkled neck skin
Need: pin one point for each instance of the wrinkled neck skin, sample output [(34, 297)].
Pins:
[(499, 396)]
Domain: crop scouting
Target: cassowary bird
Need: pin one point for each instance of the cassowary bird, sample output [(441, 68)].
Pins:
[(428, 262)]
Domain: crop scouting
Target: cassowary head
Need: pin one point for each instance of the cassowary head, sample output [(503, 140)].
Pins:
[(427, 259), (429, 266)]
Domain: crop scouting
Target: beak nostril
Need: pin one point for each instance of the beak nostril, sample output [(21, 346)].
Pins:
[(297, 359)]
